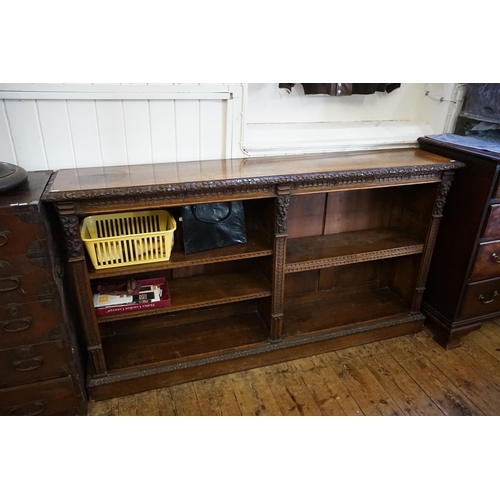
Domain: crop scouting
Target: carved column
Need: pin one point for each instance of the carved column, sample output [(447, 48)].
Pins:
[(280, 238), (78, 269), (443, 189)]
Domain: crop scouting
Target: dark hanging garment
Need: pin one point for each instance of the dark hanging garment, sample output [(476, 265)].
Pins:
[(340, 89)]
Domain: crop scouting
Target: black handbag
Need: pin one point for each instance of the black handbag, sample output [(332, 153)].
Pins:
[(212, 225)]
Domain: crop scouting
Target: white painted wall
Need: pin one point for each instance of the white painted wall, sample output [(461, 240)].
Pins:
[(55, 126), (278, 122)]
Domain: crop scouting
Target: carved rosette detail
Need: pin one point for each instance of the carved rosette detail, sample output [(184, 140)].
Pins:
[(443, 191), (71, 228)]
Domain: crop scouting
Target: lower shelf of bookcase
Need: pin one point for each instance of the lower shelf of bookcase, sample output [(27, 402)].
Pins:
[(144, 361), (321, 311), (150, 347)]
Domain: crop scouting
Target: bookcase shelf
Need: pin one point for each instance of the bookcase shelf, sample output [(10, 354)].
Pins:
[(183, 342), (323, 312), (338, 249), (257, 246), (207, 290), (315, 252)]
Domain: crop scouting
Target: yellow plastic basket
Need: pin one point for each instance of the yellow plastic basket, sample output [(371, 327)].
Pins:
[(129, 238)]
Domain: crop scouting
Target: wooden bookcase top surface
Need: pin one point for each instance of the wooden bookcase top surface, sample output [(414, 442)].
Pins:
[(212, 173)]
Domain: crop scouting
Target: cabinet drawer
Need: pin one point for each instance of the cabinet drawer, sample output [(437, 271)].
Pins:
[(53, 397), (20, 280), (492, 228), (16, 234), (30, 323), (33, 363), (487, 263), (481, 299)]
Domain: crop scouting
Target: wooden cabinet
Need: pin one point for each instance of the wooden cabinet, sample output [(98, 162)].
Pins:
[(464, 280), (40, 372), (337, 254)]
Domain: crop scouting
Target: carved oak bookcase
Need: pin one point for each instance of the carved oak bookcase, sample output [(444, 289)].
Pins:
[(338, 251)]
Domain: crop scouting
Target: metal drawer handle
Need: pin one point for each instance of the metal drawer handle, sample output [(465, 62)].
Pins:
[(4, 238), (22, 324), (15, 279), (495, 258), (17, 410), (27, 365), (482, 298)]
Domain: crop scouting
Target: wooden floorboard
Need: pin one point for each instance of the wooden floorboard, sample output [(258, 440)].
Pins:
[(410, 375)]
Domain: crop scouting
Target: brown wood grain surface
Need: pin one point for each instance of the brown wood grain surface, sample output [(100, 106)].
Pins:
[(185, 400), (492, 228), (305, 314), (253, 394), (487, 264), (213, 170), (410, 375), (216, 398), (350, 247), (395, 380), (290, 391), (372, 398), (446, 395), (471, 383), (329, 198)]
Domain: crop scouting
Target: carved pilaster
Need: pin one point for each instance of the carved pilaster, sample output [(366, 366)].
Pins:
[(282, 204), (97, 359), (442, 193), (71, 228), (89, 325), (279, 287), (276, 328)]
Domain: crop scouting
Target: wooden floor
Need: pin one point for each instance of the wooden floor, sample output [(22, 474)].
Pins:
[(409, 375)]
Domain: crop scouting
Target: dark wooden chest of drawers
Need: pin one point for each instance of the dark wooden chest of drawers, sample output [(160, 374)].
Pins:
[(463, 286), (40, 370)]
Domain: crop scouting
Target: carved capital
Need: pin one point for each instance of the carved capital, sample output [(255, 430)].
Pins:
[(71, 228), (443, 190), (282, 204)]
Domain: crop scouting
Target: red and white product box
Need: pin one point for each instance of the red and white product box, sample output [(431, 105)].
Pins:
[(164, 302)]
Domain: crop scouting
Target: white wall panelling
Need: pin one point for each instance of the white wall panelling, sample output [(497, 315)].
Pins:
[(54, 126), (163, 139), (84, 133), (137, 132), (187, 120), (8, 152), (56, 133), (111, 126), (26, 134)]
